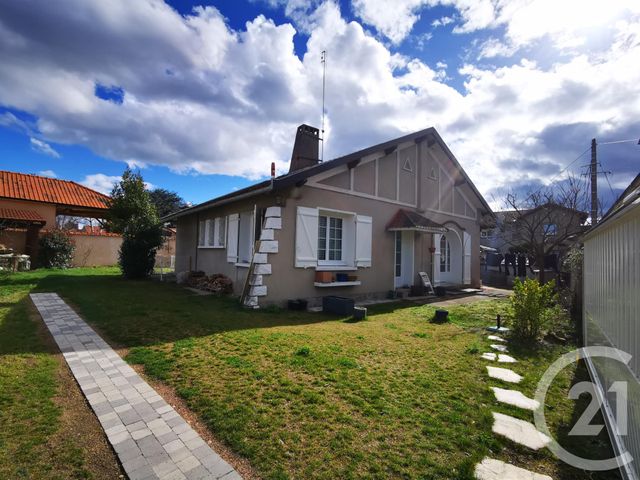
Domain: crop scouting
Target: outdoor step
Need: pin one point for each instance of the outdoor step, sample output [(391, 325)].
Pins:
[(519, 431), (504, 374), (500, 348), (515, 398), (500, 357), (496, 329), (495, 338), (490, 469)]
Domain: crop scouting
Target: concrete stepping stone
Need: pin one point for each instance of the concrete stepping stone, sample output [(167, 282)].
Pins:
[(495, 338), (504, 374), (150, 438), (515, 398), (490, 469), (519, 431), (500, 348), (496, 329), (500, 357)]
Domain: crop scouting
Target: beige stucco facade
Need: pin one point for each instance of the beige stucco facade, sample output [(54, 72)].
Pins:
[(415, 176)]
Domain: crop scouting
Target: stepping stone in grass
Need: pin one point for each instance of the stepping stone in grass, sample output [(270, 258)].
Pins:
[(504, 374), (496, 338), (490, 469), (515, 398), (489, 356), (506, 359), (519, 431), (496, 329), (500, 348)]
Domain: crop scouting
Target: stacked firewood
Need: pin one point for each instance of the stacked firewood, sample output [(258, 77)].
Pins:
[(216, 283)]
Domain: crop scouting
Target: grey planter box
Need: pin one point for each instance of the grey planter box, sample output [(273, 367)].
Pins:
[(338, 305)]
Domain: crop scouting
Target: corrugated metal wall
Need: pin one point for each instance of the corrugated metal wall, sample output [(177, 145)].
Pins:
[(612, 314)]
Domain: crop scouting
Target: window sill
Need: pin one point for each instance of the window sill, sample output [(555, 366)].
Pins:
[(243, 265), (337, 284), (335, 268), (209, 247)]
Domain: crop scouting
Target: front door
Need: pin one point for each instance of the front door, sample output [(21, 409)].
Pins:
[(403, 259)]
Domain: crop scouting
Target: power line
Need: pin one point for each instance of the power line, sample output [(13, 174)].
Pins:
[(562, 171), (606, 176)]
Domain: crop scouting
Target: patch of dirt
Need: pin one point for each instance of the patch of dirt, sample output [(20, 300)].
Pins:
[(78, 423)]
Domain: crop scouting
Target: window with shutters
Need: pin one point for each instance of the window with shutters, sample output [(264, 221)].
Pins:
[(212, 233), (330, 239)]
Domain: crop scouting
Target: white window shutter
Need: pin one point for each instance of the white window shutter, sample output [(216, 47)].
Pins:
[(363, 240), (232, 238), (202, 232), (436, 258), (466, 265), (306, 237)]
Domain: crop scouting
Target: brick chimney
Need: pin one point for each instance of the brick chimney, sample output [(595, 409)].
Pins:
[(305, 149)]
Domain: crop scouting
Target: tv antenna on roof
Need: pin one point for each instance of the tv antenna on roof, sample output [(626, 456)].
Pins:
[(323, 60)]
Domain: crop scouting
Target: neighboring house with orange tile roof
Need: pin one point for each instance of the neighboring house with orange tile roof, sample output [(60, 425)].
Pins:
[(29, 203)]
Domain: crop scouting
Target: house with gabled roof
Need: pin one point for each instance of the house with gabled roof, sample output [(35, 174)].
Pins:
[(357, 226)]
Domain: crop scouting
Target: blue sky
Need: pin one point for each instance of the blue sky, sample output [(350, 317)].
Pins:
[(203, 96)]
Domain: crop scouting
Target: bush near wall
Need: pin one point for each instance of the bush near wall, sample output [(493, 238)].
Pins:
[(55, 249)]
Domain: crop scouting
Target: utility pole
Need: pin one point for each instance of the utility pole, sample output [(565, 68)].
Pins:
[(593, 169), (323, 60)]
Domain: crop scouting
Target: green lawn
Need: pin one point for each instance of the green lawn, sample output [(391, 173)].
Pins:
[(38, 437), (305, 395)]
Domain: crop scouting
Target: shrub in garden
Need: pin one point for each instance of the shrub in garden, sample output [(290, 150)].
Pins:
[(132, 214), (534, 307), (137, 254), (55, 249)]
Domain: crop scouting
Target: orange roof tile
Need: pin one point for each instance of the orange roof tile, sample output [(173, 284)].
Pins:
[(22, 215), (21, 186)]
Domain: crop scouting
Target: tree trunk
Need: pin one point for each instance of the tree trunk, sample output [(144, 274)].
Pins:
[(540, 262)]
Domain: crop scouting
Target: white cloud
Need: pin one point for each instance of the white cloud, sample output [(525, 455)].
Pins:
[(442, 21), (201, 97), (393, 19), (100, 182), (48, 173), (105, 183), (494, 47), (43, 147)]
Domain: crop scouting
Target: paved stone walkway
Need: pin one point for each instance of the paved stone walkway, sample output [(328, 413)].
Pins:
[(150, 438)]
